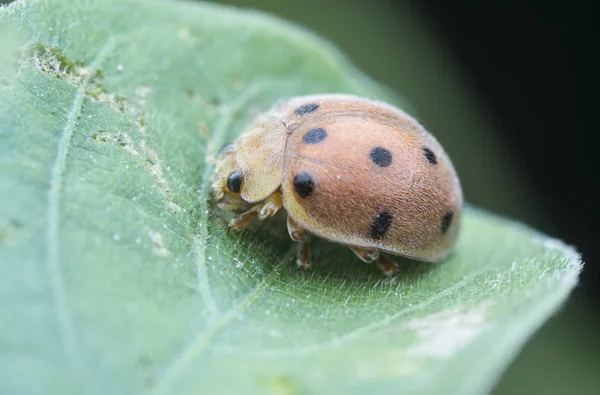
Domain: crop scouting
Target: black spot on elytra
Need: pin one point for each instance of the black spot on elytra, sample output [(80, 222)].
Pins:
[(380, 225), (380, 156), (234, 181), (430, 156), (304, 184), (306, 109), (314, 136), (446, 221)]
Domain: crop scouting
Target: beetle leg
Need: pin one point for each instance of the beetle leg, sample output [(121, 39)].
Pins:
[(298, 234), (388, 266), (242, 220), (271, 205), (370, 255), (262, 210)]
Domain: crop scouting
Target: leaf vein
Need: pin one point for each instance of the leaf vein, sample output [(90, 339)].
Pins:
[(199, 246), (342, 339), (200, 343), (59, 294)]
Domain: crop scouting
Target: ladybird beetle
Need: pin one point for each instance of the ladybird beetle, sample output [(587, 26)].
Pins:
[(348, 169)]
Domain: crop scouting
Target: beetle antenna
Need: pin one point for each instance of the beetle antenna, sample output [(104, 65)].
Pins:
[(210, 157)]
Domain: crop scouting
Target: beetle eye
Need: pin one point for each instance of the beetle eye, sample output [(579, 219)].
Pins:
[(234, 181)]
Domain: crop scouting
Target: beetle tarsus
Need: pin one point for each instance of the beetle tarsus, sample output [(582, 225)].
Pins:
[(303, 260), (389, 267), (271, 205), (370, 255), (298, 234), (241, 221)]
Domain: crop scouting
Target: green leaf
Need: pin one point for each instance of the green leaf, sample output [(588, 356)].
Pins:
[(117, 275)]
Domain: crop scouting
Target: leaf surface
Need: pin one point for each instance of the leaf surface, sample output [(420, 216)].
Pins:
[(117, 275)]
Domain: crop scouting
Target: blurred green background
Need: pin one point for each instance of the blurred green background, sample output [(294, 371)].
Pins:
[(398, 46)]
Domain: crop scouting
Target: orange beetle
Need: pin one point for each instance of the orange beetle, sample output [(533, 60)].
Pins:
[(351, 170)]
